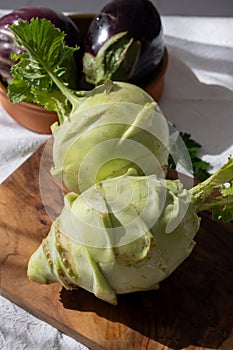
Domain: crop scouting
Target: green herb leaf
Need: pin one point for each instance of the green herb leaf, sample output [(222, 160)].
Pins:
[(115, 60), (200, 167), (41, 74)]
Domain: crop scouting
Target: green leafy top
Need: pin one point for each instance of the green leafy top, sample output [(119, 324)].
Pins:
[(43, 73)]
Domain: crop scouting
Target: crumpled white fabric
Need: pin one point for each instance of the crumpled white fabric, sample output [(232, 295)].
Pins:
[(198, 93), (17, 144), (21, 331), (197, 98)]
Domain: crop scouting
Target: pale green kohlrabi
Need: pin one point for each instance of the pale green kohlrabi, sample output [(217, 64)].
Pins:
[(101, 133), (127, 233), (117, 126)]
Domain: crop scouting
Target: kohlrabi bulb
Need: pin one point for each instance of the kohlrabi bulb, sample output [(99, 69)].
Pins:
[(117, 126), (123, 235), (128, 233)]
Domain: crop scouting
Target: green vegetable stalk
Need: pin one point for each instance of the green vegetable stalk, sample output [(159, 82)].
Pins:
[(128, 233)]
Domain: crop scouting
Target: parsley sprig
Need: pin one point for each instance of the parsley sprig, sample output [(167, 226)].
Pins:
[(200, 167)]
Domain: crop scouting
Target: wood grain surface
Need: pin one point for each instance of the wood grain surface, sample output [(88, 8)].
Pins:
[(193, 310)]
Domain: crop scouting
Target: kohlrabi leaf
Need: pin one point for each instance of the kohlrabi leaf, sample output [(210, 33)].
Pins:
[(115, 60), (44, 71)]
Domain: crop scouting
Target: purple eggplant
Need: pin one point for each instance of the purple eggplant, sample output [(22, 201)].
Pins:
[(9, 46), (124, 42)]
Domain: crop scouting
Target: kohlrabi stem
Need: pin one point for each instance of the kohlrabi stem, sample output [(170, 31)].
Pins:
[(215, 203), (70, 94), (204, 189)]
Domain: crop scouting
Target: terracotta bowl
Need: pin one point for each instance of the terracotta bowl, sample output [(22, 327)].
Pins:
[(155, 86), (36, 118), (29, 115)]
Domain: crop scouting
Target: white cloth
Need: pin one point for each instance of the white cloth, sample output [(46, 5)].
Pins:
[(17, 144), (197, 98), (19, 330), (198, 93)]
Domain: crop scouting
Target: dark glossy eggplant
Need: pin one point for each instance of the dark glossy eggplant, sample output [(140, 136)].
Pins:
[(9, 46), (124, 42)]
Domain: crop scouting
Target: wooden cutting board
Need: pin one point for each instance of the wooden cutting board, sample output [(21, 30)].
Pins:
[(193, 309)]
